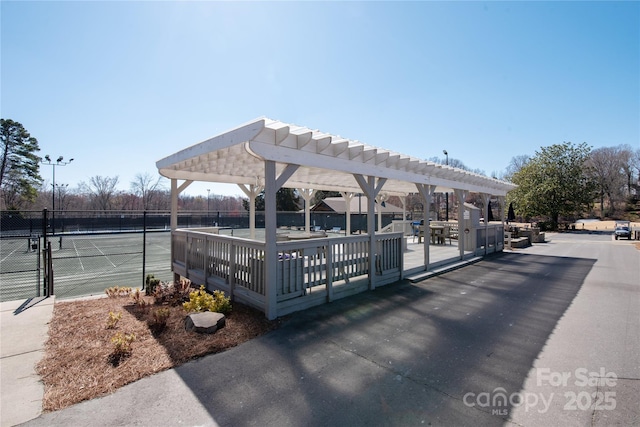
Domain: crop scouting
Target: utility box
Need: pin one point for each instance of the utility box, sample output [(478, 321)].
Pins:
[(470, 224)]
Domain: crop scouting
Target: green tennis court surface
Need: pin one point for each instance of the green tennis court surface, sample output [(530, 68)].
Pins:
[(84, 264)]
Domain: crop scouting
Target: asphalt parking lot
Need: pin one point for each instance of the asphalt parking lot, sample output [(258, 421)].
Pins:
[(547, 335)]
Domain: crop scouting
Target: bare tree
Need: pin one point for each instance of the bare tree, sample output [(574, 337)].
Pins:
[(160, 199), (453, 162), (456, 163), (605, 166), (516, 163), (146, 186), (125, 201), (627, 157), (635, 181), (101, 190), (61, 195)]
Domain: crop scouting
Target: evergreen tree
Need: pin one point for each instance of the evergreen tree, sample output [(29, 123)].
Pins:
[(553, 183), (287, 200), (19, 164)]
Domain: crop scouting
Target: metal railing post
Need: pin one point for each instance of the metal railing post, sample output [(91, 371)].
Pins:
[(44, 251), (38, 269), (144, 247), (48, 271)]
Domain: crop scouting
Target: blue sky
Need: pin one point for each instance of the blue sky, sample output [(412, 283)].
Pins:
[(120, 85)]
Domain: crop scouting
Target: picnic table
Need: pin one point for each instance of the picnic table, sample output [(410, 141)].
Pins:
[(436, 232)]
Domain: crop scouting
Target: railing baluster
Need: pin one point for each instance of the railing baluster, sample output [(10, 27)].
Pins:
[(326, 264)]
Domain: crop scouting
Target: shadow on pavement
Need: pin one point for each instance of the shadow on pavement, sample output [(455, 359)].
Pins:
[(405, 354), (28, 303)]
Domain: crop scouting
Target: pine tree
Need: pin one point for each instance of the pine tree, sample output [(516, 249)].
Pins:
[(19, 165)]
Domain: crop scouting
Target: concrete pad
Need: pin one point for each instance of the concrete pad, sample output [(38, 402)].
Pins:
[(24, 327), (26, 330), (21, 390), (144, 403)]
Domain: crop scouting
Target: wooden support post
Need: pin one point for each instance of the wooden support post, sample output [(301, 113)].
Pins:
[(426, 192), (251, 193), (270, 252), (306, 194), (462, 235), (370, 187), (347, 199)]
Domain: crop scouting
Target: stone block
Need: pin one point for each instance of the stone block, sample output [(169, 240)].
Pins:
[(206, 322)]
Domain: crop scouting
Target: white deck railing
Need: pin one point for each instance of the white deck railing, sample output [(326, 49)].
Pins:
[(309, 272), (489, 239)]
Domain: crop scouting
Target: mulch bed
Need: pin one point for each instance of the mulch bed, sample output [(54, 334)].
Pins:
[(79, 361)]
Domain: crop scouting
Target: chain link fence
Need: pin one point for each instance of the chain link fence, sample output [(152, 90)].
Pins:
[(20, 254), (89, 252), (94, 250)]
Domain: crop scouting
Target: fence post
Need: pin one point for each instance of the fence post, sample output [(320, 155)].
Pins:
[(48, 270), (144, 247), (45, 219), (38, 269)]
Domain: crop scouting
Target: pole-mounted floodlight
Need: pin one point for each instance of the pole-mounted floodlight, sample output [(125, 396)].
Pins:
[(59, 162)]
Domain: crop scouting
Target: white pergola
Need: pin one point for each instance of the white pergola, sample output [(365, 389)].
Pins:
[(266, 155), (315, 160)]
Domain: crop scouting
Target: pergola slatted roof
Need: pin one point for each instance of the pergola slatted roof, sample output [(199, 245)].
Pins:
[(325, 162)]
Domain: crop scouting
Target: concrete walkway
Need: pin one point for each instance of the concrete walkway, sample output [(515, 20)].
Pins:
[(24, 327)]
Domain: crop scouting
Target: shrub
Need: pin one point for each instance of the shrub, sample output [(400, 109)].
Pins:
[(222, 304), (122, 344), (161, 293), (116, 291), (151, 282), (159, 319), (183, 287), (113, 319), (171, 293), (139, 300), (200, 301)]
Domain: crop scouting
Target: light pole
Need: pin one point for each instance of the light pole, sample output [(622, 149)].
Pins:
[(446, 195), (208, 190), (59, 162), (62, 190)]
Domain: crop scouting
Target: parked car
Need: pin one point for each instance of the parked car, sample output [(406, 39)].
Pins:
[(623, 229)]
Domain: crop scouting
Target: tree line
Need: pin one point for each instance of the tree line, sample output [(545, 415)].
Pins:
[(23, 188), (559, 182), (565, 182), (100, 193)]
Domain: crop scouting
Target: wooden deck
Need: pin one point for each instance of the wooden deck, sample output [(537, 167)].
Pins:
[(310, 270)]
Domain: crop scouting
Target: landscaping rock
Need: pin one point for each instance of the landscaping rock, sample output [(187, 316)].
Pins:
[(205, 323)]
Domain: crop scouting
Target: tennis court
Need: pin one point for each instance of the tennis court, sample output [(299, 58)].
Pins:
[(84, 264)]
